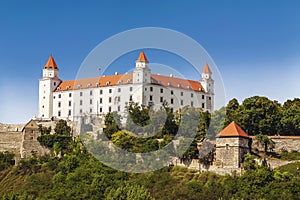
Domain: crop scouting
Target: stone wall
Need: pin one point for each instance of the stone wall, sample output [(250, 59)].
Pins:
[(11, 141), (289, 143)]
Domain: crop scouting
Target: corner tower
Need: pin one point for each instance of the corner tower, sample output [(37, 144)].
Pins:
[(231, 146), (141, 72), (47, 85), (209, 86)]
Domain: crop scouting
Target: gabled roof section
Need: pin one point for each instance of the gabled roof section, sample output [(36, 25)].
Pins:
[(31, 125), (177, 83), (51, 63), (206, 69), (120, 79), (233, 130), (142, 58)]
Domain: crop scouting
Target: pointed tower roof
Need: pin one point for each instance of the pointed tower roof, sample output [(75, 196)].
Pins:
[(232, 130), (51, 63), (206, 69), (142, 58)]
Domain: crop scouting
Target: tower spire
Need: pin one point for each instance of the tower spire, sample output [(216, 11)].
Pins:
[(142, 58), (51, 63), (206, 69)]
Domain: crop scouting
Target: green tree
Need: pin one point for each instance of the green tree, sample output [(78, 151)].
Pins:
[(265, 141), (290, 120), (259, 115), (112, 124), (62, 128), (129, 192)]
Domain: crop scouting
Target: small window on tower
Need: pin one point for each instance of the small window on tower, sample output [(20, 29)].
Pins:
[(59, 113), (130, 89), (59, 96), (54, 83), (69, 112), (70, 94)]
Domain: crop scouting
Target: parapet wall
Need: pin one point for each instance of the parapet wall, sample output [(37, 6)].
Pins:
[(11, 141), (289, 143)]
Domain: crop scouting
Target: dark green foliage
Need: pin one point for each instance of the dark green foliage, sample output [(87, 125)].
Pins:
[(6, 160), (44, 130), (129, 192), (112, 123), (62, 128), (265, 141)]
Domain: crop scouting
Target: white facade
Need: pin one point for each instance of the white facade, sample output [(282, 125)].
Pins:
[(98, 96)]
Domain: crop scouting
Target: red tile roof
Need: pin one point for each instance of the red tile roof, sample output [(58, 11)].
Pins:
[(51, 63), (142, 58), (122, 79), (206, 69), (232, 130)]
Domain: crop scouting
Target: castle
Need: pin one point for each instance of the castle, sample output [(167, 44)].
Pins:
[(97, 96)]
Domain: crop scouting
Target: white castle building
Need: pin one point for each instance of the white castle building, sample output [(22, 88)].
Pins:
[(97, 96)]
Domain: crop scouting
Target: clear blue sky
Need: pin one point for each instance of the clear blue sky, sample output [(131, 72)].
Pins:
[(255, 44)]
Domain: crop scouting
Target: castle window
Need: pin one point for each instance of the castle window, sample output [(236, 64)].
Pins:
[(119, 81), (91, 101), (80, 111), (110, 90), (192, 95), (81, 94), (89, 85), (130, 89), (100, 100), (151, 89), (101, 91), (119, 108), (181, 93), (107, 83), (53, 97), (172, 101), (150, 97), (227, 146), (100, 109), (67, 87), (54, 83), (161, 99), (202, 96), (181, 102), (130, 98), (80, 103), (203, 105), (59, 96), (97, 84), (109, 109), (128, 81), (119, 89), (161, 90), (70, 94), (69, 112), (43, 106), (59, 113), (91, 110), (43, 97), (172, 92), (145, 89), (119, 98), (192, 103), (209, 98), (59, 104), (109, 100), (78, 86), (91, 92), (70, 103)]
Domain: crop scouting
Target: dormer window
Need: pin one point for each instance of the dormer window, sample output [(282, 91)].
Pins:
[(58, 88), (169, 83), (120, 82), (159, 82), (78, 86), (179, 85), (89, 85), (97, 84), (128, 81), (68, 87), (188, 87), (107, 83)]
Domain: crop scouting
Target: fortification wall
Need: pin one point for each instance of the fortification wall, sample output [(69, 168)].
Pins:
[(11, 141), (289, 143)]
